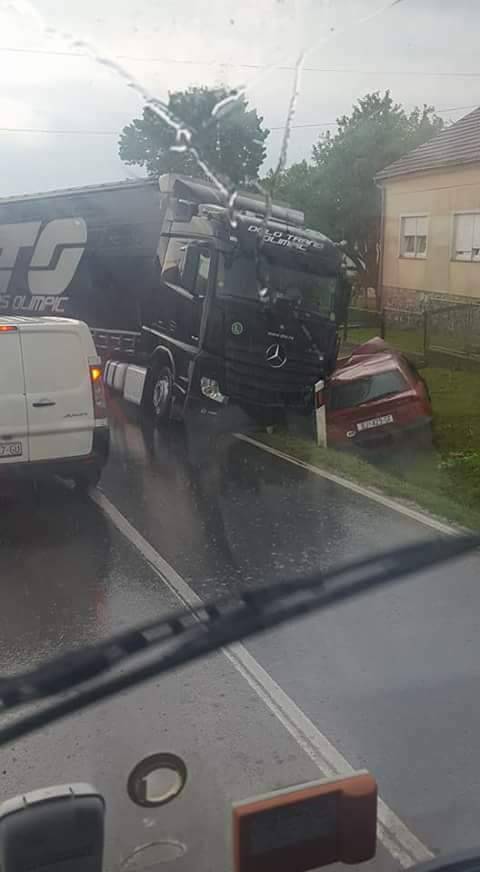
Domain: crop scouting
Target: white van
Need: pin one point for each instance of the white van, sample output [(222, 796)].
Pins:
[(53, 417)]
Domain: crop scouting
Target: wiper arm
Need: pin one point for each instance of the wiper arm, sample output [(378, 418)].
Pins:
[(193, 633)]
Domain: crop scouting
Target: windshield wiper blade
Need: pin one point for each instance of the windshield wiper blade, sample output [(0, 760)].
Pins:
[(193, 633)]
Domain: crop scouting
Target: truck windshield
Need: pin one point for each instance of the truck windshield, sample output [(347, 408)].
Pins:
[(240, 276)]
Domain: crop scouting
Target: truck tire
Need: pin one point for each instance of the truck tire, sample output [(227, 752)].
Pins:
[(162, 395), (87, 480)]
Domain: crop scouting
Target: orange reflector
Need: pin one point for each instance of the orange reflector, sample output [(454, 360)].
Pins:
[(95, 373), (307, 826), (7, 328)]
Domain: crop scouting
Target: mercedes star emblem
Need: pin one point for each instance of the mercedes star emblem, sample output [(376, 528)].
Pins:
[(276, 355)]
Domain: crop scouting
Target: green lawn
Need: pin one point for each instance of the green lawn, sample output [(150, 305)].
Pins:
[(456, 408), (409, 340), (405, 340)]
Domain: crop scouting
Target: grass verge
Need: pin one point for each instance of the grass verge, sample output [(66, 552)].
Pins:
[(409, 341), (456, 408), (420, 482)]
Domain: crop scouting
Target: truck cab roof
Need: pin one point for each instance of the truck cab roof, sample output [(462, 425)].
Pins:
[(199, 191), (204, 208)]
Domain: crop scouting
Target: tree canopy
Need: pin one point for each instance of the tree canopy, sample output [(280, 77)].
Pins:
[(337, 189), (232, 145)]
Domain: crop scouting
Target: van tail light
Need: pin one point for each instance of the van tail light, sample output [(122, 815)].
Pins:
[(7, 328), (98, 392)]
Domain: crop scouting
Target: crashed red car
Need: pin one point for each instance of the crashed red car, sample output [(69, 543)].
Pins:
[(375, 398)]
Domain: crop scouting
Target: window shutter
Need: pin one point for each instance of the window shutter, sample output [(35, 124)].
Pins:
[(476, 238), (409, 226), (422, 225), (463, 236)]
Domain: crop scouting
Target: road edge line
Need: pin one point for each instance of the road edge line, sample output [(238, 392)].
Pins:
[(403, 845), (389, 502)]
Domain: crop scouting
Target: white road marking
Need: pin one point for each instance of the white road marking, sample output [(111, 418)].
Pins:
[(369, 493), (394, 835)]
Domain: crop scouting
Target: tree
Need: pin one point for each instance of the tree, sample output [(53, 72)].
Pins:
[(337, 190), (233, 145)]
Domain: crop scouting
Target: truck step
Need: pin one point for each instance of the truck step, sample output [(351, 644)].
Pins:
[(126, 378)]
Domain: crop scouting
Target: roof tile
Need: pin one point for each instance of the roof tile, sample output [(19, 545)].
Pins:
[(458, 144)]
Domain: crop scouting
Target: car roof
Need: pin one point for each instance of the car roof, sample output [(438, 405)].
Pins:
[(360, 366), (28, 321)]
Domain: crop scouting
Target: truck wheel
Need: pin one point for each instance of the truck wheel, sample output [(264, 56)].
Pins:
[(162, 394)]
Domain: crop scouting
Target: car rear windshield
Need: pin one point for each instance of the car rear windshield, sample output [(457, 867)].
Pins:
[(363, 390)]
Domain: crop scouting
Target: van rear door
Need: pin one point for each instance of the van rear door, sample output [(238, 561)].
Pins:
[(58, 392), (13, 408)]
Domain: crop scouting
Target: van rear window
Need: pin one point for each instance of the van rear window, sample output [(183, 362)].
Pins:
[(363, 390), (53, 361), (11, 370)]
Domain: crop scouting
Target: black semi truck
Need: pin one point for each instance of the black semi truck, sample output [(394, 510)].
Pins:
[(198, 305)]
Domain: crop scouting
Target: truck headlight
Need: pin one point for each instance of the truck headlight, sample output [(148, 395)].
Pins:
[(211, 389)]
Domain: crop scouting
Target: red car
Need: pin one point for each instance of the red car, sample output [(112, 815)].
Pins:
[(376, 397)]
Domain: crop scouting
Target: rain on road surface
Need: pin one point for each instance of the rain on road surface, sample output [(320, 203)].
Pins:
[(390, 680)]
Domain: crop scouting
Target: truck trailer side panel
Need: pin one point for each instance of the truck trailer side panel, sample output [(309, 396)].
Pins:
[(87, 252)]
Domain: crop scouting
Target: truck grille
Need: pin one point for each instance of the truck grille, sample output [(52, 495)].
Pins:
[(249, 378)]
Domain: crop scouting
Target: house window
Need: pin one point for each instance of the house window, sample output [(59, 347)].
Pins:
[(466, 236), (413, 240)]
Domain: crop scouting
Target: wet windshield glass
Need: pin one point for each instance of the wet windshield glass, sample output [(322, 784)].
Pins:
[(249, 277), (211, 212), (361, 390), (313, 292), (237, 276)]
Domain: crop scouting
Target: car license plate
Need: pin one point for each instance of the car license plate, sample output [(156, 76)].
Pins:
[(375, 422), (11, 449)]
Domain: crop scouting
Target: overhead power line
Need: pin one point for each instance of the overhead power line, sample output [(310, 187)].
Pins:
[(55, 131), (218, 63), (335, 123), (58, 132), (51, 131)]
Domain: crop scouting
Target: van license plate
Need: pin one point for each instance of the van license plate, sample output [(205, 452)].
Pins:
[(11, 449), (375, 422)]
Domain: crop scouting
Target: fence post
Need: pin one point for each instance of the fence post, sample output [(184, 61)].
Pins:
[(320, 415), (425, 334), (468, 331)]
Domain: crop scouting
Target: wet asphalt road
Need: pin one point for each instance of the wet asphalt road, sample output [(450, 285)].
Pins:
[(391, 680)]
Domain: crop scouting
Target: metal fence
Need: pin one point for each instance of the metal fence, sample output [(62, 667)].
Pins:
[(455, 330), (449, 335), (402, 328)]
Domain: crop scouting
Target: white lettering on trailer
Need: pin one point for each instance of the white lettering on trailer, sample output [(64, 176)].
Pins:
[(278, 237), (13, 237), (39, 303), (45, 282)]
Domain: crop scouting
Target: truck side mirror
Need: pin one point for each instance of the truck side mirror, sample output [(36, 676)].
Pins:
[(190, 267)]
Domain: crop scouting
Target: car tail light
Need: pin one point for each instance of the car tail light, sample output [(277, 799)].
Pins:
[(98, 392), (7, 328)]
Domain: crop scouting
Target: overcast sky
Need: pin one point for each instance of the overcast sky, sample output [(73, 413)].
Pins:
[(423, 50)]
